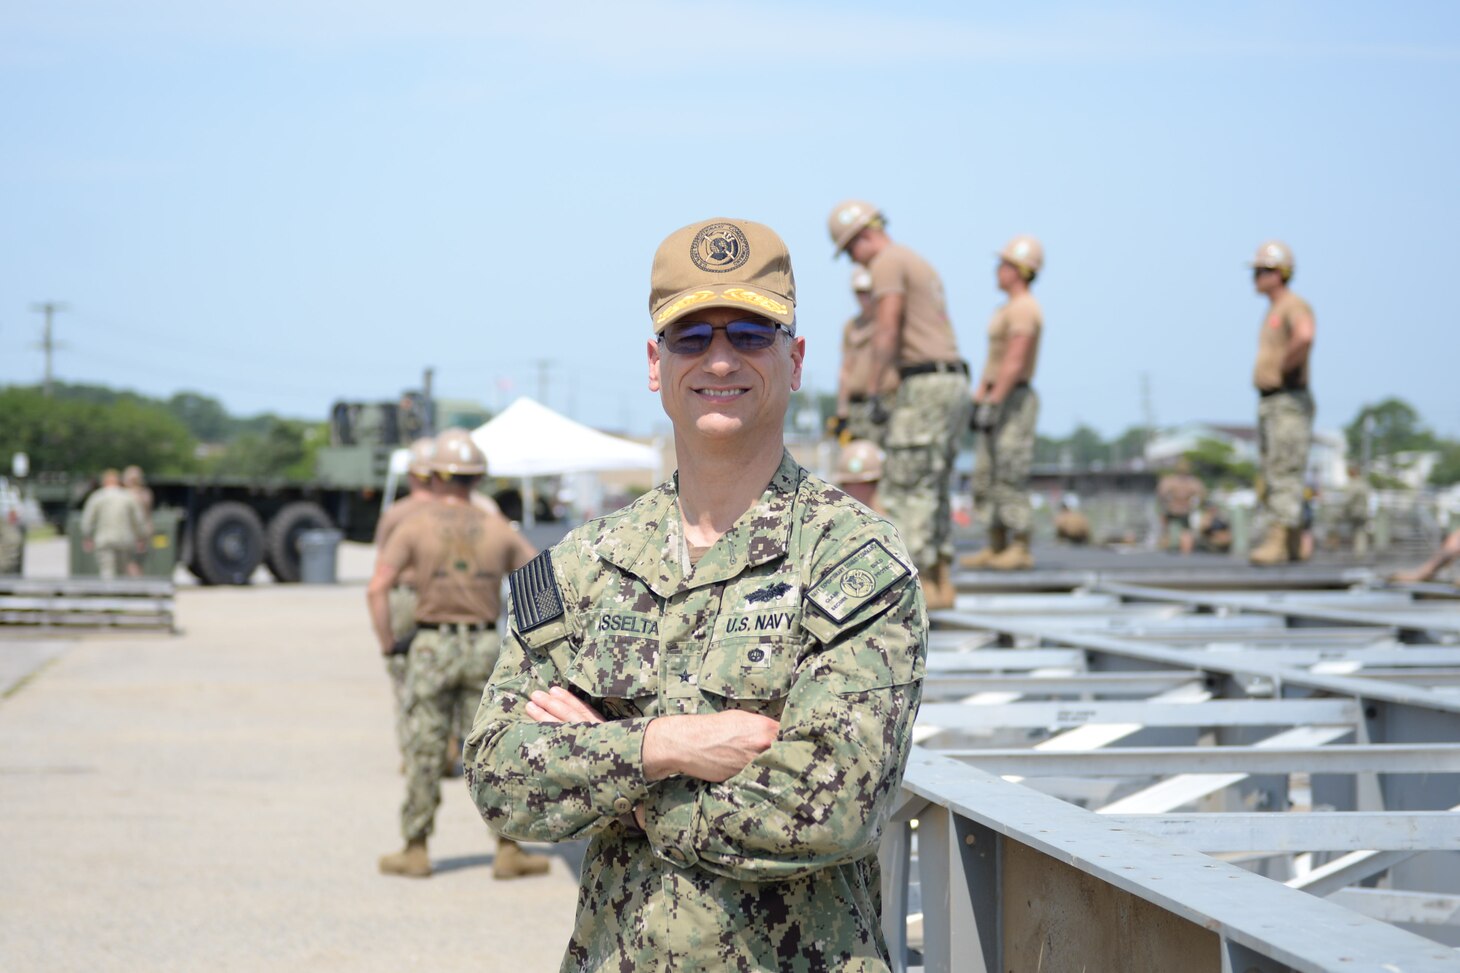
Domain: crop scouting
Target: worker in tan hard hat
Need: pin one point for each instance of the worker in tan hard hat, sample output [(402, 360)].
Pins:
[(1006, 410), (459, 556), (401, 599), (927, 410), (856, 385), (858, 471), (1285, 405)]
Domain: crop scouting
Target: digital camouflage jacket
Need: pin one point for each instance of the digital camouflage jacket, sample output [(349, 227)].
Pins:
[(807, 611)]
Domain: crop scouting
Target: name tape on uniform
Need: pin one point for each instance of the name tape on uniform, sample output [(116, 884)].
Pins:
[(857, 579)]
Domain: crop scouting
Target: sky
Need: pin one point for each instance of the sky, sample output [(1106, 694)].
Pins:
[(282, 203)]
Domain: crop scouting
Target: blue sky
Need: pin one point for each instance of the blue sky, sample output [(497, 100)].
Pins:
[(284, 203)]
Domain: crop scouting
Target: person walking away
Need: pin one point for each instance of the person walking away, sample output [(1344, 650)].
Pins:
[(112, 526)]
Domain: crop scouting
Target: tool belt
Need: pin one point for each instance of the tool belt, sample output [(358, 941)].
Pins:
[(469, 626), (933, 367), (858, 399)]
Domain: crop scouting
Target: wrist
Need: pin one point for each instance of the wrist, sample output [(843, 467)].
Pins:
[(657, 755)]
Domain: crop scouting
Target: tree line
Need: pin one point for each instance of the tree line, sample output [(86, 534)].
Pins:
[(85, 428)]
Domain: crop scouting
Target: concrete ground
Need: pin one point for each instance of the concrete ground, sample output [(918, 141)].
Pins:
[(217, 799)]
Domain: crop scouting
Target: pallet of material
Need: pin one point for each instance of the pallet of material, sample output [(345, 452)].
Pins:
[(130, 603)]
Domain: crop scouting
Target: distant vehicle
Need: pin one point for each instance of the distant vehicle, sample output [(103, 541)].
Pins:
[(231, 525)]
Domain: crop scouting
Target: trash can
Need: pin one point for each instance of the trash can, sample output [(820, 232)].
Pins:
[(317, 550)]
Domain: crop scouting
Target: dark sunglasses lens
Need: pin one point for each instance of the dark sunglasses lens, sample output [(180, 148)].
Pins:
[(690, 339), (751, 335)]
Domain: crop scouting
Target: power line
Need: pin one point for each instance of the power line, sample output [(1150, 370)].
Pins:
[(48, 342)]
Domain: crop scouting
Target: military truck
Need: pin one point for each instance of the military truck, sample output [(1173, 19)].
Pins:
[(231, 525)]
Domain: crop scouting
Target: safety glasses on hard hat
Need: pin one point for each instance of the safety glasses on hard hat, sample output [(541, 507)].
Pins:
[(694, 337)]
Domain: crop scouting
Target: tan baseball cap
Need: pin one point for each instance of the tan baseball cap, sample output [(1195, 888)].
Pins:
[(722, 263)]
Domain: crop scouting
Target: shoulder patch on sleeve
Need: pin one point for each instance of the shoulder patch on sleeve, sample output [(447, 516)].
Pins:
[(857, 579), (536, 599)]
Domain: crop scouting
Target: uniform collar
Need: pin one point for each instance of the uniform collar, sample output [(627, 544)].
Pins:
[(646, 541)]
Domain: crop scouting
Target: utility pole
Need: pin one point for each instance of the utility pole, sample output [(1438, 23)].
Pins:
[(48, 343), (543, 366), (426, 381), (1148, 411)]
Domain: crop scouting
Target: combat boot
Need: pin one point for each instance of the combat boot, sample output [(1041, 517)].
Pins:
[(1015, 557), (412, 862), (979, 560), (938, 590), (513, 862), (1273, 549)]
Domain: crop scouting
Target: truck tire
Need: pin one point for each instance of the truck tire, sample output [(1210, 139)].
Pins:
[(281, 541), (228, 544)]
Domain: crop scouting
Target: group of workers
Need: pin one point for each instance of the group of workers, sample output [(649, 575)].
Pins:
[(904, 387), (116, 523)]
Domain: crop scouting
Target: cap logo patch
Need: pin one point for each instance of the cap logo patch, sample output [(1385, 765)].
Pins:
[(688, 300), (719, 248), (750, 297)]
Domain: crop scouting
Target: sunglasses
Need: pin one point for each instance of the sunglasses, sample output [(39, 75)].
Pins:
[(694, 337)]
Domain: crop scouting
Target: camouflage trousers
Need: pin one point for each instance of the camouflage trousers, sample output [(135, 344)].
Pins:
[(929, 415), (1284, 431), (112, 559), (861, 426), (1002, 458), (12, 547), (446, 668), (402, 602)]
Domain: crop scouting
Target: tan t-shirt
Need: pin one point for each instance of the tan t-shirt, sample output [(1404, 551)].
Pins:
[(857, 354), (460, 556), (927, 334), (1272, 345), (1021, 315), (1179, 493), (393, 517)]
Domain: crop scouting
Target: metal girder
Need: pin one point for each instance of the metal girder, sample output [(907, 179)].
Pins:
[(1085, 683), (1415, 758), (1243, 712), (1312, 831), (1304, 933), (1416, 908)]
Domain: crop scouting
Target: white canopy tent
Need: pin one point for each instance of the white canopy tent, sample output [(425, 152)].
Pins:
[(528, 439)]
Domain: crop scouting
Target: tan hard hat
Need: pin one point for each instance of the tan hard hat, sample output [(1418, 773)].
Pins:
[(860, 461), (457, 455), (422, 450), (1025, 253), (847, 219), (722, 263), (862, 280), (1275, 255)]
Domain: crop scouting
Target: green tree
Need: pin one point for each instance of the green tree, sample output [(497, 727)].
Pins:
[(1396, 428), (203, 415), (1447, 470), (284, 449), (81, 434), (1215, 462)]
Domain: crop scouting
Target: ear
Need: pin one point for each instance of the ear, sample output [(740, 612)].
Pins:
[(798, 355), (653, 366)]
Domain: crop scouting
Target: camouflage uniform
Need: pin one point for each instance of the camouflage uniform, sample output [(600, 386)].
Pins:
[(402, 602), (928, 417), (1284, 431), (806, 611), (860, 424), (445, 673), (112, 521), (1002, 459)]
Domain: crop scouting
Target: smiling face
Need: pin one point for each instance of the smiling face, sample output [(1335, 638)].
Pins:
[(724, 393)]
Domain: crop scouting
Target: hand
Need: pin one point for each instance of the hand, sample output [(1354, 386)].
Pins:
[(835, 426), (878, 412), (711, 746), (985, 417), (557, 705)]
